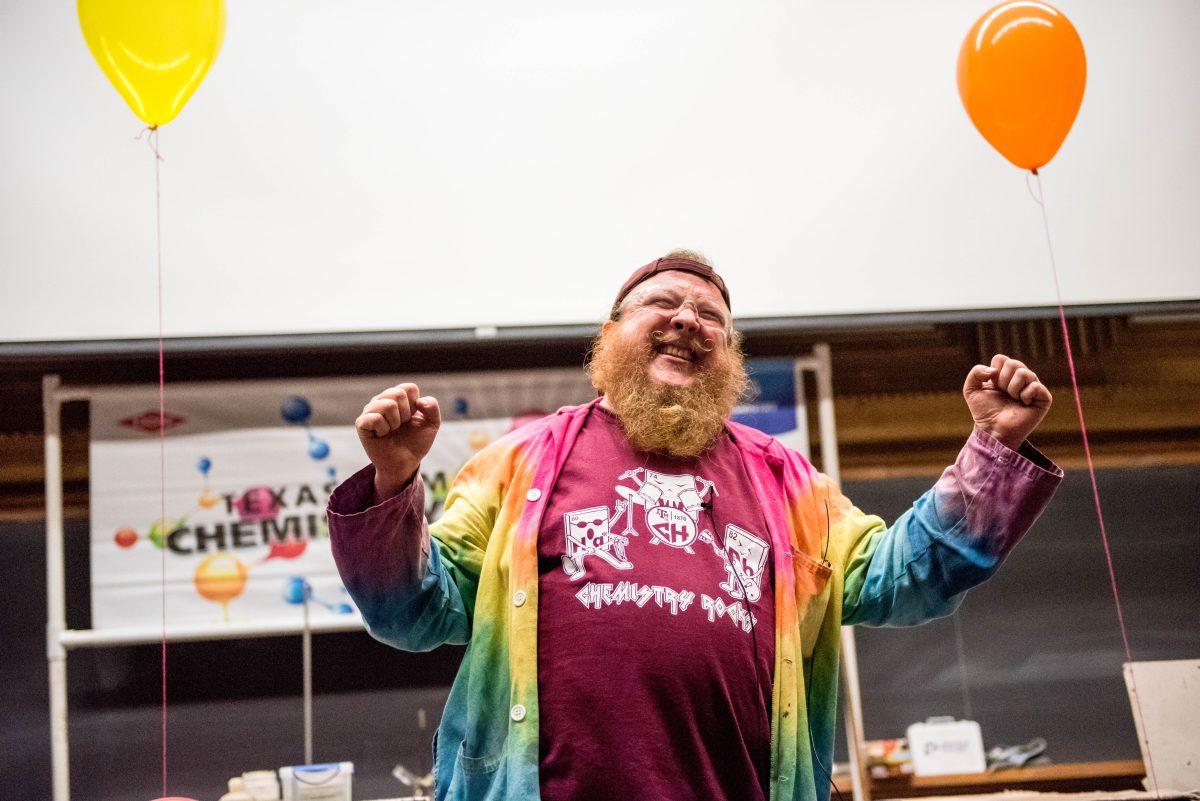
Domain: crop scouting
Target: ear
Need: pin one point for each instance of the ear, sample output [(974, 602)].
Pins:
[(607, 326)]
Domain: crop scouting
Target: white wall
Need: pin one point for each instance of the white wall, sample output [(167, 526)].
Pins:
[(417, 164)]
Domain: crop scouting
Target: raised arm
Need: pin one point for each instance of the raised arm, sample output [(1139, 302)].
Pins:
[(393, 569), (957, 533)]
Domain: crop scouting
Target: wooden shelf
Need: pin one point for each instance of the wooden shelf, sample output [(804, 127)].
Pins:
[(1122, 774)]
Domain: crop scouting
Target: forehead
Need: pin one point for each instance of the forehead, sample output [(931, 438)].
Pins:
[(682, 282)]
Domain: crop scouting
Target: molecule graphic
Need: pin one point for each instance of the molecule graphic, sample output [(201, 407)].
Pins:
[(222, 577), (297, 590), (208, 499), (160, 529), (296, 410)]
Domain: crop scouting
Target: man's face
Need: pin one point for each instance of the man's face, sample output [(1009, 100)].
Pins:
[(684, 321), (670, 366)]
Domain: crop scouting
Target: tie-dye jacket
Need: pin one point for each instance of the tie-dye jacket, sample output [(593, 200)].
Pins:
[(472, 578)]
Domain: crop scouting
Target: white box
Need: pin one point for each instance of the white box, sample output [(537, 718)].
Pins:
[(1167, 715), (328, 782), (940, 746)]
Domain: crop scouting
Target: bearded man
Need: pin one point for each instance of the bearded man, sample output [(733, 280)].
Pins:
[(650, 593)]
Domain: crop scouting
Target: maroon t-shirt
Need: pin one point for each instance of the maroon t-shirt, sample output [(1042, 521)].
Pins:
[(656, 625)]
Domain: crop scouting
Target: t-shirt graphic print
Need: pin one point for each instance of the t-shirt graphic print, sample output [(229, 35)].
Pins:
[(655, 625)]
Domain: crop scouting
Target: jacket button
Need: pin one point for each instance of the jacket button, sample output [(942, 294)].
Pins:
[(518, 713), (533, 494), (519, 598)]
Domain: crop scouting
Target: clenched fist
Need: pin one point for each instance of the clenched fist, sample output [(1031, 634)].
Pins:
[(397, 428), (1006, 399)]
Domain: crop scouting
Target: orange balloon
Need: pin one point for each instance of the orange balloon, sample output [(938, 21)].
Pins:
[(1021, 73)]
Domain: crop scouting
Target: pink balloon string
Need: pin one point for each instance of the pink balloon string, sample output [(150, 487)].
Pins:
[(151, 135), (1040, 198)]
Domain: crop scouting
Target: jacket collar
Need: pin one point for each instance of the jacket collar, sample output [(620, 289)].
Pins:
[(743, 436)]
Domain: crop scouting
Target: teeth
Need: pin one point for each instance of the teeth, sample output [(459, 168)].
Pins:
[(672, 350)]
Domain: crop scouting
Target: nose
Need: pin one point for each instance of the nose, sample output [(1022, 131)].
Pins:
[(686, 318)]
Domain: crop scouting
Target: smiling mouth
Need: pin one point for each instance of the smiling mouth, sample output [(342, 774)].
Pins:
[(677, 352)]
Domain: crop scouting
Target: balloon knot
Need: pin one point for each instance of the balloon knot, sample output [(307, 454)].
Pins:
[(151, 134)]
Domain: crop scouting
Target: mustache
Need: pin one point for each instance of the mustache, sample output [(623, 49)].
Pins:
[(706, 345)]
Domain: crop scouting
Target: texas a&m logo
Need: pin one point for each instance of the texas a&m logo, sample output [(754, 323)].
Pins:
[(665, 510), (671, 504)]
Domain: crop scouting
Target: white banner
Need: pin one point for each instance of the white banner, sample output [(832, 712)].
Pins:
[(249, 467)]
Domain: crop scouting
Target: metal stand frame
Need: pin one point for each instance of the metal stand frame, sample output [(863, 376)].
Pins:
[(820, 363), (60, 639)]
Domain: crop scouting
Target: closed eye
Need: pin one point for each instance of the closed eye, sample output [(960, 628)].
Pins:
[(662, 301)]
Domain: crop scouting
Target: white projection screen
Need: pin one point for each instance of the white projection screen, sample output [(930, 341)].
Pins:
[(385, 165)]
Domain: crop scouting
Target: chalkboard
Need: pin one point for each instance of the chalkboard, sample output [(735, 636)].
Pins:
[(1041, 646)]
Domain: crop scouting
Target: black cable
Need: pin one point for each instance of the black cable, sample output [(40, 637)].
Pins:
[(812, 741), (753, 628)]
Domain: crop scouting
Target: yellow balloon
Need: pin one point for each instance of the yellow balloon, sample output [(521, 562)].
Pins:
[(155, 52)]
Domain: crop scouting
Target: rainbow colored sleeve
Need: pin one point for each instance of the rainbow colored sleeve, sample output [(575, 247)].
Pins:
[(954, 536)]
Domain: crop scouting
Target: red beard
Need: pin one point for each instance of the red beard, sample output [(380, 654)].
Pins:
[(680, 421)]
